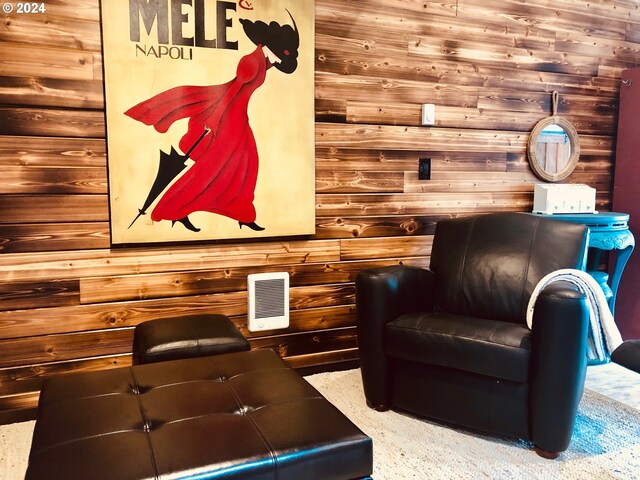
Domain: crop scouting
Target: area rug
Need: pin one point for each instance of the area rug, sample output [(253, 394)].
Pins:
[(605, 444)]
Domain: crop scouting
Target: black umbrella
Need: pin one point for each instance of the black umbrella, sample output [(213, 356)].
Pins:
[(169, 166)]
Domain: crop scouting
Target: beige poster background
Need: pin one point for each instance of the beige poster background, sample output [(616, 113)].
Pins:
[(281, 115)]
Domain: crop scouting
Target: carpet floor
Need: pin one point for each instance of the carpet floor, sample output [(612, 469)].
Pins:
[(605, 444)]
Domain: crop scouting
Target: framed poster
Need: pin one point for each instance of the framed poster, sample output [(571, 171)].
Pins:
[(210, 119)]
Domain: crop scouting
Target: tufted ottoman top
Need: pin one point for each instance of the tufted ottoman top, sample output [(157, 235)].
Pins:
[(243, 415)]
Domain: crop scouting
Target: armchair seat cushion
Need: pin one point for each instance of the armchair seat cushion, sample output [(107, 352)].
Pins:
[(487, 347)]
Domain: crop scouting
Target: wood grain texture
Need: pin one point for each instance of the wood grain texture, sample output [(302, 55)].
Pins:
[(20, 209), (331, 159), (97, 317), (54, 27), (47, 237), (51, 122), (219, 280), (123, 261), (54, 179), (51, 92), (382, 226), (33, 60), (357, 181), (28, 378), (70, 302), (18, 296), (383, 136), (422, 203), (52, 151)]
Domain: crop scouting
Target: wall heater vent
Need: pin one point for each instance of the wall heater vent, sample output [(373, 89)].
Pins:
[(268, 301)]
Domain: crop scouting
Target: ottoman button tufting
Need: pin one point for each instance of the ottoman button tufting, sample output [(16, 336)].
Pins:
[(243, 410), (267, 422)]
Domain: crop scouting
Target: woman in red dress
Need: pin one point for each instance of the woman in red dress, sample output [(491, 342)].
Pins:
[(223, 177)]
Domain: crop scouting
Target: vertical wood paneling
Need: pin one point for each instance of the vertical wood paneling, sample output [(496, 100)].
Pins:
[(69, 302)]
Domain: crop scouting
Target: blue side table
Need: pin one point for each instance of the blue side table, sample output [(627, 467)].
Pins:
[(607, 231)]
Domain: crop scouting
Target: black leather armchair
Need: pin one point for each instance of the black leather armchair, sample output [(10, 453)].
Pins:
[(451, 343)]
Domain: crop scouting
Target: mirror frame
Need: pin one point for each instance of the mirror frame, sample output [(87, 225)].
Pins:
[(573, 139)]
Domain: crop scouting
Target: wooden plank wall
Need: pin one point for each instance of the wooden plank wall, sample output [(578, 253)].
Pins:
[(69, 303)]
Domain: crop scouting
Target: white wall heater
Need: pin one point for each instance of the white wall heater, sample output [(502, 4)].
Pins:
[(268, 301)]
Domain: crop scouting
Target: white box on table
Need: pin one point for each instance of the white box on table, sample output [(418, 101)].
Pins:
[(564, 198)]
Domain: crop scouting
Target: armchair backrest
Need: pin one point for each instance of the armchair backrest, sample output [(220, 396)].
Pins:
[(487, 266)]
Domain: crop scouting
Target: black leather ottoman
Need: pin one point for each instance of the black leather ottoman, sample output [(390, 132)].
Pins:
[(185, 337), (242, 415)]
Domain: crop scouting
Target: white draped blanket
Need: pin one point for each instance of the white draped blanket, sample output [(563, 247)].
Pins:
[(604, 336)]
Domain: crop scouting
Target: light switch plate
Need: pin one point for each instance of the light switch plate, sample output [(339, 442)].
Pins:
[(428, 114)]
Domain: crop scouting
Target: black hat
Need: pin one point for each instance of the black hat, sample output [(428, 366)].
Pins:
[(282, 40)]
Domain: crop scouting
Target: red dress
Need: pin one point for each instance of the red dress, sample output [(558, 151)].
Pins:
[(223, 178)]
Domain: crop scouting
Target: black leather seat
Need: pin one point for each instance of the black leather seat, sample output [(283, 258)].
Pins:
[(451, 342), (186, 336)]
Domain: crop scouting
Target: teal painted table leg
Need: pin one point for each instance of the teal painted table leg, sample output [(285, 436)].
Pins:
[(623, 257)]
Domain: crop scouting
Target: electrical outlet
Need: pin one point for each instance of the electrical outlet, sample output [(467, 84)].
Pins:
[(424, 169), (428, 114)]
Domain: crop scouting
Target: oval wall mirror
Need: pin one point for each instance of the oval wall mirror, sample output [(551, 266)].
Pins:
[(554, 148)]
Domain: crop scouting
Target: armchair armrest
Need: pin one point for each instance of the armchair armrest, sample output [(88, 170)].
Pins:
[(558, 364), (383, 294)]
